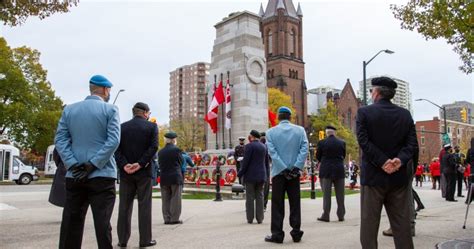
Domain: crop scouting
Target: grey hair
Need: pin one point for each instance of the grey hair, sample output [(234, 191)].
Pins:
[(330, 132), (386, 92), (95, 89), (170, 140)]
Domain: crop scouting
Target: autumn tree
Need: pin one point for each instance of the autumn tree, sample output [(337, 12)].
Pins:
[(277, 98), (328, 116), (29, 109), (16, 12), (190, 134), (452, 20)]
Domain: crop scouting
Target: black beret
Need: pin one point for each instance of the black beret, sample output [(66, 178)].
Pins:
[(384, 81), (262, 134), (330, 127), (171, 135), (142, 106), (255, 133)]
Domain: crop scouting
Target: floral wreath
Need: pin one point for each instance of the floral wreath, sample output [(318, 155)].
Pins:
[(204, 173), (231, 175), (214, 175)]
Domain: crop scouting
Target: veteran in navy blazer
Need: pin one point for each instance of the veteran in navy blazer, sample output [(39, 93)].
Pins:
[(387, 137), (254, 172), (330, 154), (138, 145)]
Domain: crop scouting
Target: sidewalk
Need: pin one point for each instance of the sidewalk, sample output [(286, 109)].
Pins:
[(34, 223)]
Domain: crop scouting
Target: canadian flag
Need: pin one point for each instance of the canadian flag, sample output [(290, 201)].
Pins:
[(228, 108), (217, 99)]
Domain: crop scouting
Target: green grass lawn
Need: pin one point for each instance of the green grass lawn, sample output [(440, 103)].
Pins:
[(211, 196)]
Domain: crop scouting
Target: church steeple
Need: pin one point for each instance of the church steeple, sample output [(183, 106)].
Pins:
[(299, 12), (274, 5), (261, 12), (280, 5)]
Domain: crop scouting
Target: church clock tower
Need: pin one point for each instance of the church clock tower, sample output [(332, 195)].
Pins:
[(282, 32)]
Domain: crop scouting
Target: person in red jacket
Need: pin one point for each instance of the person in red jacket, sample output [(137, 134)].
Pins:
[(419, 175), (467, 173), (435, 173)]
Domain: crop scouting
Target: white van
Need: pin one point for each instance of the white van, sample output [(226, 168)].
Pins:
[(13, 169), (49, 164)]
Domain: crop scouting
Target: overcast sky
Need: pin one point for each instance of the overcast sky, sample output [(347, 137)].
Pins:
[(136, 44)]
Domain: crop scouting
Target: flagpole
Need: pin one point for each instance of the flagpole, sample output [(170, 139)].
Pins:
[(217, 132), (223, 115), (230, 128)]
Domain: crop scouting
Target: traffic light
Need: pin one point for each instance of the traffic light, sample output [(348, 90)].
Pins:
[(321, 135), (464, 115)]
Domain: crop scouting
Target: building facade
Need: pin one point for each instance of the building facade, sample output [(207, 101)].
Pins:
[(453, 111), (402, 97), (188, 92), (429, 134), (317, 98), (282, 32)]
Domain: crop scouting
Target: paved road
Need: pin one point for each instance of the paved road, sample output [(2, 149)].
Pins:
[(27, 220)]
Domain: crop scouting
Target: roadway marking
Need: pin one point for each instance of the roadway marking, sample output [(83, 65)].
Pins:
[(4, 207)]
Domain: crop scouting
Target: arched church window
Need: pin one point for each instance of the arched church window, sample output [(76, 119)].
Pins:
[(270, 43)]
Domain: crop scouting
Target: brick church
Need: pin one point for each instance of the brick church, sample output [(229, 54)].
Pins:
[(282, 31)]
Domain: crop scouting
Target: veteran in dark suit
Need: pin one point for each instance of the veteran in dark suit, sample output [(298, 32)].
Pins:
[(170, 161), (138, 145), (254, 172), (331, 153), (386, 134)]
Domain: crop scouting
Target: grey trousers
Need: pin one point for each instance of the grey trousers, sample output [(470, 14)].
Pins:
[(443, 184), (129, 187), (326, 186), (254, 201), (171, 202), (399, 214)]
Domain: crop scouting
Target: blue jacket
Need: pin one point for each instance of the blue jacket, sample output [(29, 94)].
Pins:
[(253, 166), (288, 146), (89, 131), (186, 161)]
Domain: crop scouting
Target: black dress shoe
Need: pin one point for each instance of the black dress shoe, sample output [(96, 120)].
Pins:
[(452, 200), (250, 221), (297, 236), (272, 239), (341, 219), (151, 243), (167, 223), (259, 222), (122, 244), (460, 195), (324, 220), (176, 222)]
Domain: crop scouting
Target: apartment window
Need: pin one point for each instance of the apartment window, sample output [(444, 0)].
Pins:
[(459, 131), (422, 130), (422, 140), (449, 129)]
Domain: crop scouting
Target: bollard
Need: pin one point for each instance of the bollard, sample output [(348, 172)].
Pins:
[(313, 191), (218, 179)]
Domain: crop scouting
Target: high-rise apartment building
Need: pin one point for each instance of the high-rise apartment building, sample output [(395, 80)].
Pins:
[(402, 97), (453, 111), (188, 92)]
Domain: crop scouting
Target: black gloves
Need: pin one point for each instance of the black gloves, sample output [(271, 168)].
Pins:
[(81, 172), (291, 174)]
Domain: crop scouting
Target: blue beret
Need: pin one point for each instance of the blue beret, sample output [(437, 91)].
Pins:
[(284, 109), (100, 80)]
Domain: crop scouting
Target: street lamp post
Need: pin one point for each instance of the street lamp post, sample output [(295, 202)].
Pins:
[(364, 65), (443, 108), (121, 90)]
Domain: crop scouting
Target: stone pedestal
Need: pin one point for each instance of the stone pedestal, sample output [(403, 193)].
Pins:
[(238, 49)]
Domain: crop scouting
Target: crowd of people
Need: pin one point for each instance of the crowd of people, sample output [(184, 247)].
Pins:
[(91, 145)]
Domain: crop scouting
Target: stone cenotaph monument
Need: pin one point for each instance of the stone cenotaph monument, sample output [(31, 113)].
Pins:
[(238, 50)]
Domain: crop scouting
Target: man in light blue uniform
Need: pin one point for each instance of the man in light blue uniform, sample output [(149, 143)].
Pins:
[(288, 147), (87, 136)]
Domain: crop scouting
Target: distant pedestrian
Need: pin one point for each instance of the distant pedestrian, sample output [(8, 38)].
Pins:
[(187, 161), (419, 175), (57, 195), (87, 136), (288, 147), (254, 173), (449, 172), (435, 173), (460, 168), (134, 156), (442, 182), (385, 156), (171, 161), (331, 153), (354, 174), (266, 187), (239, 155)]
